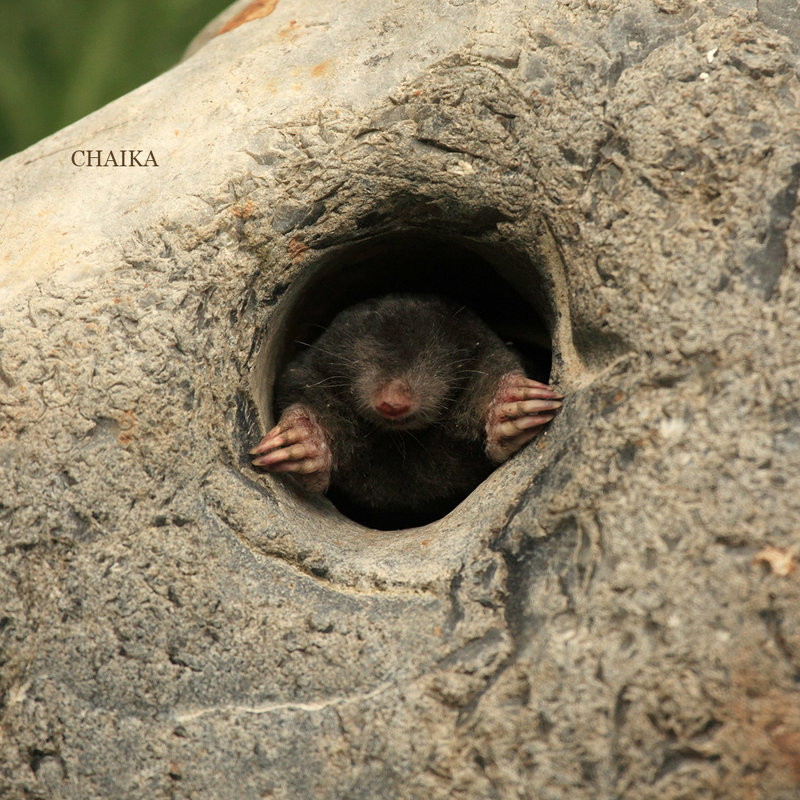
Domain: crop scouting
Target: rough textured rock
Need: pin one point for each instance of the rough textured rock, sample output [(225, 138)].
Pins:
[(612, 615)]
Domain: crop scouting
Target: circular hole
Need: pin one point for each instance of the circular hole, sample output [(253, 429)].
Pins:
[(500, 285)]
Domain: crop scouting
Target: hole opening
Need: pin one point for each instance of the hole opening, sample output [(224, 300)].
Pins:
[(502, 285)]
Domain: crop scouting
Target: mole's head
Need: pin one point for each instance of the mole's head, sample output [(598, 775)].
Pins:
[(405, 360)]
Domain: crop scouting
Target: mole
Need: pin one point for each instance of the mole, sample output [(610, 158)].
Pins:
[(400, 408)]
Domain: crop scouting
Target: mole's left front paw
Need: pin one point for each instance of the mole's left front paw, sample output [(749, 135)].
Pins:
[(517, 412), (297, 444)]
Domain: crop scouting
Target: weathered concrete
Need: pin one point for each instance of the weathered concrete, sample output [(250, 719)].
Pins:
[(612, 615)]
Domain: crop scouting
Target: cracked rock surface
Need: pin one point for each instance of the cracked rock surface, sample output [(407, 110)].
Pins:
[(614, 614)]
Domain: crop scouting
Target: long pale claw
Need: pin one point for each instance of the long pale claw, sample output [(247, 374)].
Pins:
[(287, 431), (297, 444), (518, 410)]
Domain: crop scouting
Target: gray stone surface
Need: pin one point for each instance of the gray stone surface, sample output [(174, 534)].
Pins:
[(609, 616)]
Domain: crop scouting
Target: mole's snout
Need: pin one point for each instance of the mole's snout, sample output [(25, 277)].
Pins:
[(394, 400), (392, 412)]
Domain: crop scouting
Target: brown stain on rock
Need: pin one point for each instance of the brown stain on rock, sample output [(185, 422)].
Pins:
[(787, 745), (761, 733), (244, 210), (127, 424), (292, 31), (297, 249), (321, 69), (256, 10)]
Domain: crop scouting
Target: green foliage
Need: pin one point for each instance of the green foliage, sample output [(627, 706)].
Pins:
[(61, 60)]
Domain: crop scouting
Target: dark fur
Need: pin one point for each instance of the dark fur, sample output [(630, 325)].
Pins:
[(383, 476)]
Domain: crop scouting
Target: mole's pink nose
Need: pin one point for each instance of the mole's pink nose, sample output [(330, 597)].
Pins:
[(392, 411), (394, 400)]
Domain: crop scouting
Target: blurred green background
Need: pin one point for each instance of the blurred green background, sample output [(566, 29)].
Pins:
[(61, 59)]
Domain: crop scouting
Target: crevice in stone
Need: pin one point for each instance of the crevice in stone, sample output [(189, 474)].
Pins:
[(773, 619), (534, 559)]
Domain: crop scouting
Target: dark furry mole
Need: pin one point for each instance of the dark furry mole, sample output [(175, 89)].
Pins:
[(400, 408)]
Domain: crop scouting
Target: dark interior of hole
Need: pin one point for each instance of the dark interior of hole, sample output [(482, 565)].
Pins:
[(417, 264), (391, 521), (519, 315)]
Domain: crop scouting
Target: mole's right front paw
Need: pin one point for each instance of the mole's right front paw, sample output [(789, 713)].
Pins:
[(519, 409), (297, 444)]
